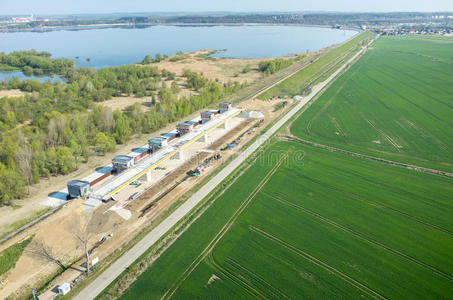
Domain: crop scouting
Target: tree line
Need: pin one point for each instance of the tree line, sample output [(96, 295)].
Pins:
[(57, 126), (269, 67), (33, 62)]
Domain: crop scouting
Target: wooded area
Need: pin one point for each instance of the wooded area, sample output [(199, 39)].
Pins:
[(56, 126), (37, 63)]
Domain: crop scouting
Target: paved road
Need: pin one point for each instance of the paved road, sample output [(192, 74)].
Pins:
[(100, 283)]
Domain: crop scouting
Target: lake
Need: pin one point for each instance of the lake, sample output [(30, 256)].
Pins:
[(120, 46)]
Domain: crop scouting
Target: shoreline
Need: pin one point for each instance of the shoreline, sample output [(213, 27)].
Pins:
[(128, 25)]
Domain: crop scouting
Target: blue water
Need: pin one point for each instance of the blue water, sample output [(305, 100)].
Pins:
[(118, 46), (4, 75)]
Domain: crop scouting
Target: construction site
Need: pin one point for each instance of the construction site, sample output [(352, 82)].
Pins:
[(117, 201)]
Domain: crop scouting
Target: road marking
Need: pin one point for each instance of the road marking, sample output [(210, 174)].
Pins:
[(171, 154)]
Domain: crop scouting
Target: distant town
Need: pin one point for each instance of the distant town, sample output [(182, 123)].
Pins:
[(382, 23)]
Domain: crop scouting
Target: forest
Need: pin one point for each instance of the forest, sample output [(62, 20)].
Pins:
[(33, 62), (57, 126)]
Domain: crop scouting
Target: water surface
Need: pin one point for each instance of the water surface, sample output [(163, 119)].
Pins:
[(100, 48)]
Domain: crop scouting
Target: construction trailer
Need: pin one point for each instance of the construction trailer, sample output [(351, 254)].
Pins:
[(64, 288), (78, 188), (139, 153), (208, 115), (169, 136), (157, 143), (186, 127), (122, 162), (224, 107)]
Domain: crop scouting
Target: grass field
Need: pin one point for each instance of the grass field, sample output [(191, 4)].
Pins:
[(319, 70), (396, 102), (327, 226), (11, 255), (307, 223)]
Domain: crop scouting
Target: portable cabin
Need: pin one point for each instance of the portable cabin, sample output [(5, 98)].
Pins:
[(122, 162), (140, 153), (185, 127), (156, 143), (207, 116), (169, 136), (78, 188), (224, 106), (64, 288)]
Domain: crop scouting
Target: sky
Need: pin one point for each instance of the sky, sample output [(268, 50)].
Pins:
[(109, 6)]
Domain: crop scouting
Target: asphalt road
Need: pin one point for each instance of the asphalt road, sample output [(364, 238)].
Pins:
[(110, 274)]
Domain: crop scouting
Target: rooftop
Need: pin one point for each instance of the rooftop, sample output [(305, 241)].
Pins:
[(78, 183), (122, 158)]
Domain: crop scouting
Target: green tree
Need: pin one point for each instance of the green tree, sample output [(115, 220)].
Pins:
[(12, 185), (104, 143), (147, 60), (65, 160), (175, 87)]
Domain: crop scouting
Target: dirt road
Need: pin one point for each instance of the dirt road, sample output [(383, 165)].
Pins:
[(98, 285)]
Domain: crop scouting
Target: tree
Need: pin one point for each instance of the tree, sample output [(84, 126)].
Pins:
[(147, 60), (12, 185), (65, 160), (24, 160), (175, 87), (104, 143), (82, 229), (246, 69), (45, 253), (158, 57)]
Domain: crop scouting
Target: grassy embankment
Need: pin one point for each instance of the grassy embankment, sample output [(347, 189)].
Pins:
[(325, 224), (319, 70), (11, 255)]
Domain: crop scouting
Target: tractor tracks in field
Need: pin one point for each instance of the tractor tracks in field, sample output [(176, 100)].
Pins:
[(364, 237), (319, 263), (244, 278), (381, 206), (174, 287), (292, 138)]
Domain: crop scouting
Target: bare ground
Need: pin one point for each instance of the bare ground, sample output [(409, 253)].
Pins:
[(11, 93), (28, 207), (54, 230), (224, 69)]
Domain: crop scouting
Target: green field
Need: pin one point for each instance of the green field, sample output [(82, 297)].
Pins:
[(318, 70), (307, 223), (329, 226), (396, 103)]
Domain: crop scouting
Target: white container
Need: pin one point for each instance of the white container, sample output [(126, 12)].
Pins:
[(64, 288)]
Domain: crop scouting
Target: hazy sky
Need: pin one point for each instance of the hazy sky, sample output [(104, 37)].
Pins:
[(107, 6)]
